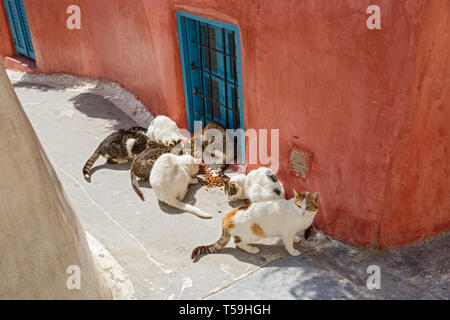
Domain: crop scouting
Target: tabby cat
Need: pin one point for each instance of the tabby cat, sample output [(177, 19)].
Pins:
[(142, 165), (207, 138), (118, 147)]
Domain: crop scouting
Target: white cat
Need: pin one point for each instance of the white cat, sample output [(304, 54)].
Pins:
[(258, 185), (170, 179), (164, 130), (272, 218)]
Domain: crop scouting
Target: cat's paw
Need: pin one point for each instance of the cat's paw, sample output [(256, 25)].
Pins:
[(248, 248), (254, 250), (294, 252), (201, 181), (194, 180), (296, 239)]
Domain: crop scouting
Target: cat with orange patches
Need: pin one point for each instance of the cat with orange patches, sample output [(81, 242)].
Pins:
[(271, 218)]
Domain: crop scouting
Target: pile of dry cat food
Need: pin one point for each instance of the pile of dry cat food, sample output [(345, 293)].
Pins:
[(210, 180)]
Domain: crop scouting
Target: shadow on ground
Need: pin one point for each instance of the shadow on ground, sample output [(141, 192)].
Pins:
[(110, 167), (31, 85), (189, 198), (90, 104), (333, 270), (96, 106)]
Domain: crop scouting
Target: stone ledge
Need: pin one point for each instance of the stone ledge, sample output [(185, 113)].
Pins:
[(20, 63)]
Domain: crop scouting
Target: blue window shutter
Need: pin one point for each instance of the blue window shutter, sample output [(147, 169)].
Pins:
[(15, 10), (26, 29), (16, 26), (207, 50), (212, 93)]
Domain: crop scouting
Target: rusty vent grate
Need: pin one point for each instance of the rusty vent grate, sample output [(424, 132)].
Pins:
[(299, 162)]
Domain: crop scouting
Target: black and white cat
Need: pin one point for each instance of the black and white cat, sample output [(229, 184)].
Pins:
[(258, 185)]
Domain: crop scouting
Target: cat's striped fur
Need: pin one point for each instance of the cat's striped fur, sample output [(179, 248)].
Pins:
[(118, 147), (142, 165), (227, 223), (205, 140)]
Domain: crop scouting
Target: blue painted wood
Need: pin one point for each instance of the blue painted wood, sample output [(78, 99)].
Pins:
[(15, 10), (16, 26), (188, 30), (26, 29), (224, 93)]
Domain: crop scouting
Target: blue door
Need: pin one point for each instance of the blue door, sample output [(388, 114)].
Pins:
[(211, 71), (15, 9)]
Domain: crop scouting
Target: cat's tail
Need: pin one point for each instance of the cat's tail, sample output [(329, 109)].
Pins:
[(216, 247), (189, 208), (135, 184), (87, 167)]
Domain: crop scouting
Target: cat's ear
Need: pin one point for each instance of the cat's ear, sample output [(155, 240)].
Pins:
[(232, 189), (197, 161), (183, 139), (300, 195), (315, 196), (225, 178)]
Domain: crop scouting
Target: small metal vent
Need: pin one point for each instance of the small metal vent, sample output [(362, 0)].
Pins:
[(299, 162)]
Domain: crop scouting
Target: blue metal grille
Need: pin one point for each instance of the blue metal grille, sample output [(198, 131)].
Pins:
[(210, 71)]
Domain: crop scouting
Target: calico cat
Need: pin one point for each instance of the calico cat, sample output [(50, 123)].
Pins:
[(170, 178), (257, 185), (142, 165), (272, 218), (118, 147), (164, 130)]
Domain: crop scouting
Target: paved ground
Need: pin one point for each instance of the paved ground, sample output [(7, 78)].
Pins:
[(152, 242)]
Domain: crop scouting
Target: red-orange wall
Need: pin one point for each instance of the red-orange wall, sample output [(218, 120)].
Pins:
[(6, 41), (417, 196), (370, 107)]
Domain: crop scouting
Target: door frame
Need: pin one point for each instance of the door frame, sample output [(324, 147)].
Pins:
[(185, 67)]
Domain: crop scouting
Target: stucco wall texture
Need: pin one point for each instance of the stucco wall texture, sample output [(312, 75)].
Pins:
[(34, 263), (6, 42), (369, 107)]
